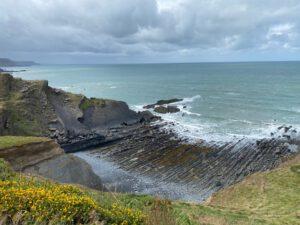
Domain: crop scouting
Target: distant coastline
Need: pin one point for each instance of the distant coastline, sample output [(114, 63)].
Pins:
[(5, 62)]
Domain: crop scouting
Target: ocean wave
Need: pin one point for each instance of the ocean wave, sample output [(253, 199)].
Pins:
[(232, 93), (195, 127), (190, 99), (194, 131), (65, 88)]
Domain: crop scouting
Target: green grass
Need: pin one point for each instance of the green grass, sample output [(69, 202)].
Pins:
[(12, 141), (272, 196), (89, 102)]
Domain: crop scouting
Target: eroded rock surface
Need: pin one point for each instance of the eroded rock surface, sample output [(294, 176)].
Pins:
[(67, 169), (32, 108), (166, 109), (47, 159), (162, 102), (206, 167)]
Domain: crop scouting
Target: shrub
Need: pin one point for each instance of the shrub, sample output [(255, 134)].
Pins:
[(41, 201), (5, 171)]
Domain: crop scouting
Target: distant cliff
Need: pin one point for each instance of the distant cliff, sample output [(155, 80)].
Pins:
[(8, 62)]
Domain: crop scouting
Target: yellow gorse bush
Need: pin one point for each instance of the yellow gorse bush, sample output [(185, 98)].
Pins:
[(43, 201)]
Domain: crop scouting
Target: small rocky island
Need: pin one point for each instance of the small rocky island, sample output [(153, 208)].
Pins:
[(162, 106)]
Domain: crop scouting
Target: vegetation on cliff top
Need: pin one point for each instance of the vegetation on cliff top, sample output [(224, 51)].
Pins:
[(89, 102), (30, 200), (14, 141)]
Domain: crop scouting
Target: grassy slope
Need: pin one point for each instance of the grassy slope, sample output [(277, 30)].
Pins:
[(273, 196), (11, 141)]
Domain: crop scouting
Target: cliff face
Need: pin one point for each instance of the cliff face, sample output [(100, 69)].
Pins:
[(47, 159), (30, 154), (33, 108)]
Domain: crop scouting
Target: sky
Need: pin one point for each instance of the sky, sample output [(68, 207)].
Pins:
[(149, 31)]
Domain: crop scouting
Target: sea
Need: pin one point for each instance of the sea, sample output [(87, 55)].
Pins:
[(221, 101)]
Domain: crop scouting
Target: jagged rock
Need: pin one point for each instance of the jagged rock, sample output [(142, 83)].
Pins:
[(33, 108), (147, 116), (150, 151), (162, 102), (168, 109)]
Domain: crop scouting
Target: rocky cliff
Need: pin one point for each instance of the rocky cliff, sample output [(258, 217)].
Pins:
[(123, 136), (33, 108), (45, 157)]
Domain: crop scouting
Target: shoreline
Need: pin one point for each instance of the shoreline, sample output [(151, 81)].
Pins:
[(131, 140), (149, 152)]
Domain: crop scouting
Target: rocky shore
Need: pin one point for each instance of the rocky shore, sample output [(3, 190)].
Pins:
[(151, 151), (136, 142)]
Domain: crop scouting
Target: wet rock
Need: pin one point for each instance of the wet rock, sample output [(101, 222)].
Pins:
[(150, 151), (286, 129), (163, 102), (168, 109), (147, 117)]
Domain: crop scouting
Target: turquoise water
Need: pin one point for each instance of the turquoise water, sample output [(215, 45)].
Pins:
[(223, 100)]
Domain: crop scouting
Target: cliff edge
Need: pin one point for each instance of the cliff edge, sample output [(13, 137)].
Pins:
[(32, 108), (44, 157)]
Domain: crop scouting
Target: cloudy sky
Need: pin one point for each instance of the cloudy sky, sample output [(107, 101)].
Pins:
[(134, 31)]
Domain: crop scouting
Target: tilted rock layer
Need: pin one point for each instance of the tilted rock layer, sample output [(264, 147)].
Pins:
[(47, 159)]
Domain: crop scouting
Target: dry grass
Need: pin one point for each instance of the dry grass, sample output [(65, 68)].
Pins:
[(161, 213), (273, 195), (13, 141)]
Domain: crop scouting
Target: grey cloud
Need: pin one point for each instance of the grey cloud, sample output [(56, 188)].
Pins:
[(147, 26)]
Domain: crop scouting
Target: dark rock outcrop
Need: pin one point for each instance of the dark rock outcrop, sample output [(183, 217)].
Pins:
[(162, 102), (167, 109), (32, 108), (205, 167), (147, 117)]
